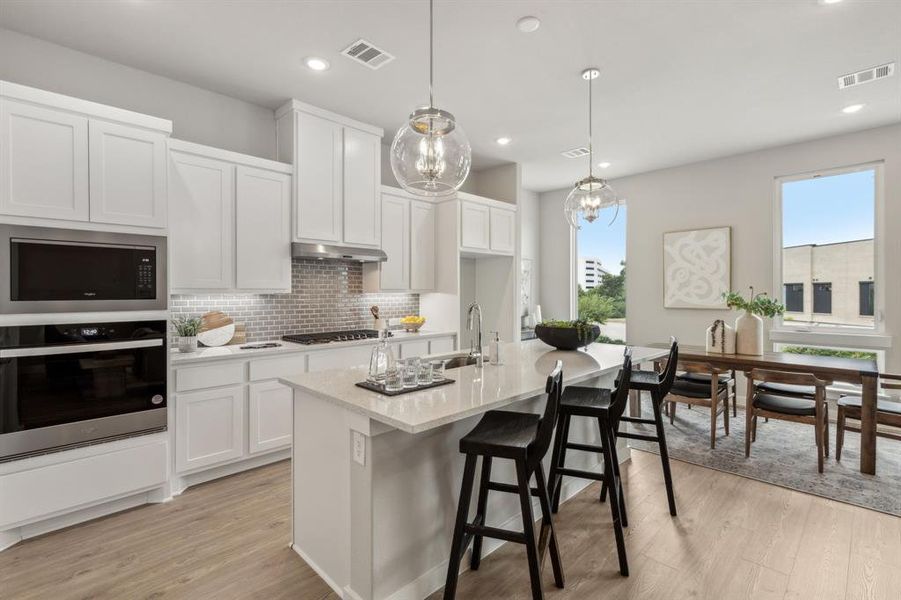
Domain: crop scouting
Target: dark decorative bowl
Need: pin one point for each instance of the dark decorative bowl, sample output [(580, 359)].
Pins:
[(566, 338)]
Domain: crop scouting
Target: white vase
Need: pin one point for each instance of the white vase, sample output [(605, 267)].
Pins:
[(749, 334), (721, 341), (187, 343)]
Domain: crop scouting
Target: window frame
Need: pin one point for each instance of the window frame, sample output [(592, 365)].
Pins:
[(825, 334)]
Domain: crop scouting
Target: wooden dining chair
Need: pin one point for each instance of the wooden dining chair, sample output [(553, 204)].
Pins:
[(727, 377), (763, 403), (888, 412), (713, 394)]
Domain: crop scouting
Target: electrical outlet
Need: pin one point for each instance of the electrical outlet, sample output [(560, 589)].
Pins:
[(359, 449)]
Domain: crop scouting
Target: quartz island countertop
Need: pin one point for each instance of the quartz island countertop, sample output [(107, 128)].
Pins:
[(522, 374)]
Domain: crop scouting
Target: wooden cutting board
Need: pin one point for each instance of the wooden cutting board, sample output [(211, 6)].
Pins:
[(216, 329), (240, 336)]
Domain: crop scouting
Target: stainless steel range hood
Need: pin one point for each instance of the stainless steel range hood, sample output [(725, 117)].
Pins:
[(326, 251)]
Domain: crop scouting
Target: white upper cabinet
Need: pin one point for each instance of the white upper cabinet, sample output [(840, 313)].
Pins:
[(422, 245), (337, 166), (503, 230), (127, 174), (201, 232), (319, 170), (67, 159), (43, 162), (362, 183), (263, 210), (395, 272), (230, 220), (475, 226)]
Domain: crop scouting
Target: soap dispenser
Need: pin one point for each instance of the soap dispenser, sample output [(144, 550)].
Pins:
[(494, 349)]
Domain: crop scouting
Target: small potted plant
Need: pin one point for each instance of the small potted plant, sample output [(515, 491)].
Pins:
[(186, 328), (567, 335), (749, 326)]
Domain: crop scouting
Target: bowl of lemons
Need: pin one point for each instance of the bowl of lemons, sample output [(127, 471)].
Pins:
[(412, 323)]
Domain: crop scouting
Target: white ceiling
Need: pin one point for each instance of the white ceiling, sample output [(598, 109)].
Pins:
[(680, 81)]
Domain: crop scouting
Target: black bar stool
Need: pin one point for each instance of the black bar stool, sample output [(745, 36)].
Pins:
[(525, 439), (607, 408), (659, 385)]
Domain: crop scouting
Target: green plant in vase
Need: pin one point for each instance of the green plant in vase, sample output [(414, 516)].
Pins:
[(749, 326), (187, 328)]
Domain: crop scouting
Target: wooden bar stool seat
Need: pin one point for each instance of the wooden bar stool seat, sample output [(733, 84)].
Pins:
[(606, 409), (525, 439)]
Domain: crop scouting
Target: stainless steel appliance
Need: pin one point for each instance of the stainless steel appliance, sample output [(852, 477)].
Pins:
[(327, 337), (324, 251), (47, 270), (71, 384)]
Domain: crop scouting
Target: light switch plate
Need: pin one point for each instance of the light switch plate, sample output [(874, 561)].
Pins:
[(359, 448)]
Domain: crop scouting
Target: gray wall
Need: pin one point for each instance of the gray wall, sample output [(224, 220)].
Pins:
[(198, 115), (530, 241), (737, 191)]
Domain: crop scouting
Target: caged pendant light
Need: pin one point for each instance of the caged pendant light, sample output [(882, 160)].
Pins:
[(430, 154), (590, 195)]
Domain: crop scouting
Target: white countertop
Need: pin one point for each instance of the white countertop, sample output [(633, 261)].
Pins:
[(234, 351), (522, 375)]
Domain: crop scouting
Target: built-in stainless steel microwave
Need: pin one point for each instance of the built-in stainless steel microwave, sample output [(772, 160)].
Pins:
[(47, 270)]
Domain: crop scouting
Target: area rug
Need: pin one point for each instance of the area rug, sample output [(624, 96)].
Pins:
[(785, 455)]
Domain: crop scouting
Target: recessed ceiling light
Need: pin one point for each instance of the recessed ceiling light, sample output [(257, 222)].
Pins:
[(851, 109), (604, 165), (528, 24), (503, 141), (829, 1), (315, 63)]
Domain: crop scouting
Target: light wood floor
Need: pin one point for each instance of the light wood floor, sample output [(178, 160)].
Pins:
[(734, 538)]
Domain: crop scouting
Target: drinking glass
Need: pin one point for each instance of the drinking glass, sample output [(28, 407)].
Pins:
[(394, 379), (438, 370), (425, 373), (411, 370)]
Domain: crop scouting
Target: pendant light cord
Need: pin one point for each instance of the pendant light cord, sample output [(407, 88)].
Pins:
[(431, 50), (590, 134)]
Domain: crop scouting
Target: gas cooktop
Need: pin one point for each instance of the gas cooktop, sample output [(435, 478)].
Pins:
[(327, 337)]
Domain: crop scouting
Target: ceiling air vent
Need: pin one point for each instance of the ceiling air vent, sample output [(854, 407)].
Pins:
[(866, 76), (368, 54), (575, 152)]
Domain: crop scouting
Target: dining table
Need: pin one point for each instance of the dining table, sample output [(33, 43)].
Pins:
[(856, 371)]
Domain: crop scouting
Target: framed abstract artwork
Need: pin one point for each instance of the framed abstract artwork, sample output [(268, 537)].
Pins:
[(697, 268)]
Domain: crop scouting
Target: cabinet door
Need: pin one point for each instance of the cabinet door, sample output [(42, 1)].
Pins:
[(209, 427), (503, 230), (43, 162), (269, 417), (395, 272), (474, 226), (201, 229), (362, 182), (318, 169), (128, 175), (441, 345), (263, 229), (422, 246)]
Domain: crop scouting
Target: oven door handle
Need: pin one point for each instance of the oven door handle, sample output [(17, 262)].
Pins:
[(79, 348)]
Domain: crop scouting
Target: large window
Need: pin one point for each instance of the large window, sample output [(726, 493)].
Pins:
[(828, 243), (794, 297), (601, 272)]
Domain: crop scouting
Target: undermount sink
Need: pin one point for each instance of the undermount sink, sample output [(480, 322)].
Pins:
[(459, 361)]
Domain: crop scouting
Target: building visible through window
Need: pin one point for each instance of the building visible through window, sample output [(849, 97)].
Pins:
[(822, 298), (867, 299), (794, 297)]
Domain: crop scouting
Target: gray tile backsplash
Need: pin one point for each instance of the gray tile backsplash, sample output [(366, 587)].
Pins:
[(325, 296)]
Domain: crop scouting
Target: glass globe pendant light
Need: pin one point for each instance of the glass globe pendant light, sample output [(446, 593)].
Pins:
[(590, 195), (430, 154)]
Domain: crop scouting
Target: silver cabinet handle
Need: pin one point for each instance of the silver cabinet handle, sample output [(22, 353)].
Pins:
[(79, 348)]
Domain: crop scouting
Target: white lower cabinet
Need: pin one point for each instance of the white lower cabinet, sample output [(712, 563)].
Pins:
[(441, 345), (269, 412), (209, 427), (413, 349)]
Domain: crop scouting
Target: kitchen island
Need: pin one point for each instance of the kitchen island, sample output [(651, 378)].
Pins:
[(376, 478)]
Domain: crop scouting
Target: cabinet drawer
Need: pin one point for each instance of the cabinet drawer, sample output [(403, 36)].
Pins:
[(207, 376), (283, 366), (340, 358), (414, 348), (441, 345), (45, 491)]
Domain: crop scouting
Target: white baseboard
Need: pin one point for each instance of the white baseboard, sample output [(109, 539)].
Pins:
[(180, 483), (328, 580)]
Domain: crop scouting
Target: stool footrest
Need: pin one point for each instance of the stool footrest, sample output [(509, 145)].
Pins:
[(638, 436), (585, 447), (637, 420), (580, 473), (517, 537)]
